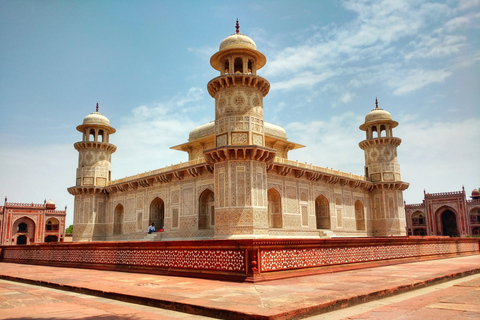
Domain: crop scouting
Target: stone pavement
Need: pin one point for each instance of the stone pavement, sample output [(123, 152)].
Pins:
[(279, 299)]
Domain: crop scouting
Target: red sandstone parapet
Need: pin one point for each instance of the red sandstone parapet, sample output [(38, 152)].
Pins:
[(241, 260)]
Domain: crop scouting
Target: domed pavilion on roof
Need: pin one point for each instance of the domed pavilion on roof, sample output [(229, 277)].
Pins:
[(238, 181)]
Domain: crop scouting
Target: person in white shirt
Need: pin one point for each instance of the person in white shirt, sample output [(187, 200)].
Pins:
[(151, 228)]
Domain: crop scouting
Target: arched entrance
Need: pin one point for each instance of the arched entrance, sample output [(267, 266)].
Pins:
[(118, 219), (22, 239), (157, 213), (51, 238), (24, 230), (274, 209), (449, 224), (22, 227), (322, 212), (51, 225), (206, 210)]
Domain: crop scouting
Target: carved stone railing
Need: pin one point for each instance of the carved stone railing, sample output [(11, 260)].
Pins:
[(241, 260)]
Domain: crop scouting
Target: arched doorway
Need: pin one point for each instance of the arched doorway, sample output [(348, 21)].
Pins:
[(359, 215), (118, 219), (22, 227), (51, 238), (274, 209), (25, 230), (157, 213), (206, 210), (449, 224), (51, 225), (322, 212), (22, 239)]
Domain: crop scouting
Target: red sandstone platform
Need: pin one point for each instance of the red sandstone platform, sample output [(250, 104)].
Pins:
[(277, 299)]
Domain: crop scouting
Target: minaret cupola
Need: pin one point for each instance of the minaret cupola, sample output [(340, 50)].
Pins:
[(94, 151), (380, 146)]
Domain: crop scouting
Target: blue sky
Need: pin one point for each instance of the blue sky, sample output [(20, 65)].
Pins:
[(147, 64)]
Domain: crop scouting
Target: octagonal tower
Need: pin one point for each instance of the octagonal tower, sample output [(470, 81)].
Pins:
[(383, 170), (93, 174), (240, 156)]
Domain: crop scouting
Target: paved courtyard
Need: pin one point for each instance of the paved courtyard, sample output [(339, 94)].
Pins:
[(447, 289)]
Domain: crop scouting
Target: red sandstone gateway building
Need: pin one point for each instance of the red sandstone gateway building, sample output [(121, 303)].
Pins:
[(446, 213), (29, 223)]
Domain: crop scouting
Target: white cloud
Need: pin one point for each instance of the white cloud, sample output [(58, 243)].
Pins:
[(467, 4), (377, 34), (435, 47), (144, 138), (466, 21), (347, 97), (432, 156), (304, 80), (417, 79), (330, 143)]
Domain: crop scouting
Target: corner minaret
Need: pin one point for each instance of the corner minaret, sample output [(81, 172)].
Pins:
[(93, 174), (238, 92), (240, 156), (383, 170)]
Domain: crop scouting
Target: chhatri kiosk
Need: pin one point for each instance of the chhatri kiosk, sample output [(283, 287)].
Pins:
[(238, 181)]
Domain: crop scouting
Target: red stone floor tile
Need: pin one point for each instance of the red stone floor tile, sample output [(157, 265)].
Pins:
[(458, 299), (277, 299)]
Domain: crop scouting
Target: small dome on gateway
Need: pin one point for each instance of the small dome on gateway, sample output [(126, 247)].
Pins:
[(50, 202), (475, 194)]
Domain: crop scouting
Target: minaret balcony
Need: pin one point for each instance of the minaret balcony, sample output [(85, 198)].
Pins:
[(83, 145), (380, 141), (238, 79), (250, 152)]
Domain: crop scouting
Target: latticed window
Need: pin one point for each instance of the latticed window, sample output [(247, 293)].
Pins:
[(50, 226), (418, 219), (475, 217)]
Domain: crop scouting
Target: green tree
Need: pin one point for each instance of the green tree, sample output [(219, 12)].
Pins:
[(69, 229)]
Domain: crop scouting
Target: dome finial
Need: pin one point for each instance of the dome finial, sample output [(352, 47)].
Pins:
[(376, 103), (97, 106), (237, 26)]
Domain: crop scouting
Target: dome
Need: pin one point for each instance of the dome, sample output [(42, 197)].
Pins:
[(202, 131), (96, 118), (275, 131), (208, 129), (378, 115), (475, 194), (50, 202), (237, 41)]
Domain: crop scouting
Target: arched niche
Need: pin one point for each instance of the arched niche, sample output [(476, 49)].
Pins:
[(274, 208), (157, 213), (359, 215), (322, 212), (118, 219), (206, 210)]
